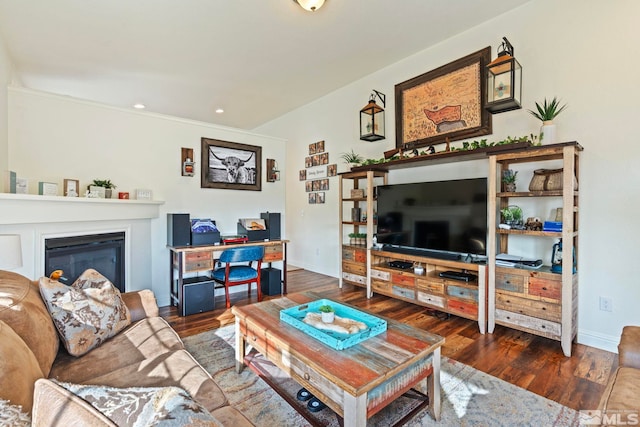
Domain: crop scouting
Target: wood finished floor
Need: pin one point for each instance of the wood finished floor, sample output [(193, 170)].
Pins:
[(531, 362)]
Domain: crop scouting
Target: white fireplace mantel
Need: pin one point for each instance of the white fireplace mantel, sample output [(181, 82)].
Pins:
[(33, 209)]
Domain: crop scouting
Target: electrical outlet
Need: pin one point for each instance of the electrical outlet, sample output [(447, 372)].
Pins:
[(606, 304)]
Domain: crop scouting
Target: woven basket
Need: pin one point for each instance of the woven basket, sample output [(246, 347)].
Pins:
[(548, 180)]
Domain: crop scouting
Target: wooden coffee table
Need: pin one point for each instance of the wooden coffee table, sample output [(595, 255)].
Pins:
[(356, 382)]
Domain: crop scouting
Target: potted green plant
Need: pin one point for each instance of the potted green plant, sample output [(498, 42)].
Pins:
[(352, 158), (512, 216), (328, 313), (546, 112), (352, 238), (509, 180), (362, 238), (104, 183)]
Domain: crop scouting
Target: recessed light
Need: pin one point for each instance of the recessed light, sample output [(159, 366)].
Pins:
[(219, 110), (139, 106)]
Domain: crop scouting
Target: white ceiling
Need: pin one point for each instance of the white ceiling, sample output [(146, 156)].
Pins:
[(257, 59)]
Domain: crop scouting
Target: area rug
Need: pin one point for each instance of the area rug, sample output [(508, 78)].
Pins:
[(469, 397)]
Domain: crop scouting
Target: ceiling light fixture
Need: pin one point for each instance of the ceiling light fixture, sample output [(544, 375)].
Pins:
[(139, 106), (310, 5), (219, 110)]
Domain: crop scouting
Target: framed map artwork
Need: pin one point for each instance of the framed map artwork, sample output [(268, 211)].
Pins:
[(445, 103)]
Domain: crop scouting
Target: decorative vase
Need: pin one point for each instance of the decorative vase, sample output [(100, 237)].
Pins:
[(328, 317), (107, 193), (548, 132), (510, 187)]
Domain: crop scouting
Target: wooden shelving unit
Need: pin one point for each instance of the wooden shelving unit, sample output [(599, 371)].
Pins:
[(536, 301), (355, 259)]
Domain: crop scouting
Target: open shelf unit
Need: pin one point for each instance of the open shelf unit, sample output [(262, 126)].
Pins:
[(354, 259), (537, 301)]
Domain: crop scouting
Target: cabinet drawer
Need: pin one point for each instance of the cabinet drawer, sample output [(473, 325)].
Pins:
[(403, 292), (460, 292), (197, 256), (198, 266), (357, 255), (547, 328), (430, 299), (354, 267), (378, 274), (354, 278), (430, 286), (510, 282), (535, 308), (463, 307), (272, 253), (380, 286), (545, 288), (198, 261), (403, 279)]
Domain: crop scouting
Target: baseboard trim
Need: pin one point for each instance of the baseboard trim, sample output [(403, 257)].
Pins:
[(598, 340)]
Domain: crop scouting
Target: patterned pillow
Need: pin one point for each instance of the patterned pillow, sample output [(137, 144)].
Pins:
[(12, 415), (86, 313), (144, 406)]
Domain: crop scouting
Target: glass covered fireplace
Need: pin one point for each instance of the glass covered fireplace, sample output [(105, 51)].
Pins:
[(73, 255)]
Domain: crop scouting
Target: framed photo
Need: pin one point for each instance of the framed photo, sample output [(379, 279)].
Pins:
[(308, 161), (144, 194), (71, 188), (320, 147), (320, 198), (303, 175), (315, 186), (230, 165), (308, 186), (312, 198), (332, 170), (444, 103), (324, 159), (312, 148)]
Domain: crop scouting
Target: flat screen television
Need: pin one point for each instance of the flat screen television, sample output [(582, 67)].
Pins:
[(446, 219)]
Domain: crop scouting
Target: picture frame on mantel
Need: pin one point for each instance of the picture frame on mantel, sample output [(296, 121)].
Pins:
[(71, 188), (445, 103), (230, 165)]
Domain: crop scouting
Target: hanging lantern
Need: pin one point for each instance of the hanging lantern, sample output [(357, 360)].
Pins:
[(504, 81), (372, 118)]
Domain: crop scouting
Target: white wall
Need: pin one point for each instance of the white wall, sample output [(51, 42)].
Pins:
[(6, 71), (581, 51), (53, 137)]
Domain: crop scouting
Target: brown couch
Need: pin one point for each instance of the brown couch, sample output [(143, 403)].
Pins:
[(620, 403), (148, 353)]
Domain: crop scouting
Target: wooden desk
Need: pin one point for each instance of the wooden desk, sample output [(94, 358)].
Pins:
[(356, 382), (194, 259)]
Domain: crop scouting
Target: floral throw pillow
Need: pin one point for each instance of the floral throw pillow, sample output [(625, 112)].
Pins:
[(144, 406), (86, 313)]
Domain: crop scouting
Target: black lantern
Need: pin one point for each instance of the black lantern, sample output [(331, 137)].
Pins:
[(372, 118), (504, 81)]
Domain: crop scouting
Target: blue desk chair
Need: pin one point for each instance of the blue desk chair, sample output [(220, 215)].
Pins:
[(233, 275)]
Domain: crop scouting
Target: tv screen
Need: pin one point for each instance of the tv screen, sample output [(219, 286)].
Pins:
[(447, 216)]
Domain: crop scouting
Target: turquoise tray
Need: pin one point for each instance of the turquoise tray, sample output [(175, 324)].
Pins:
[(338, 341)]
